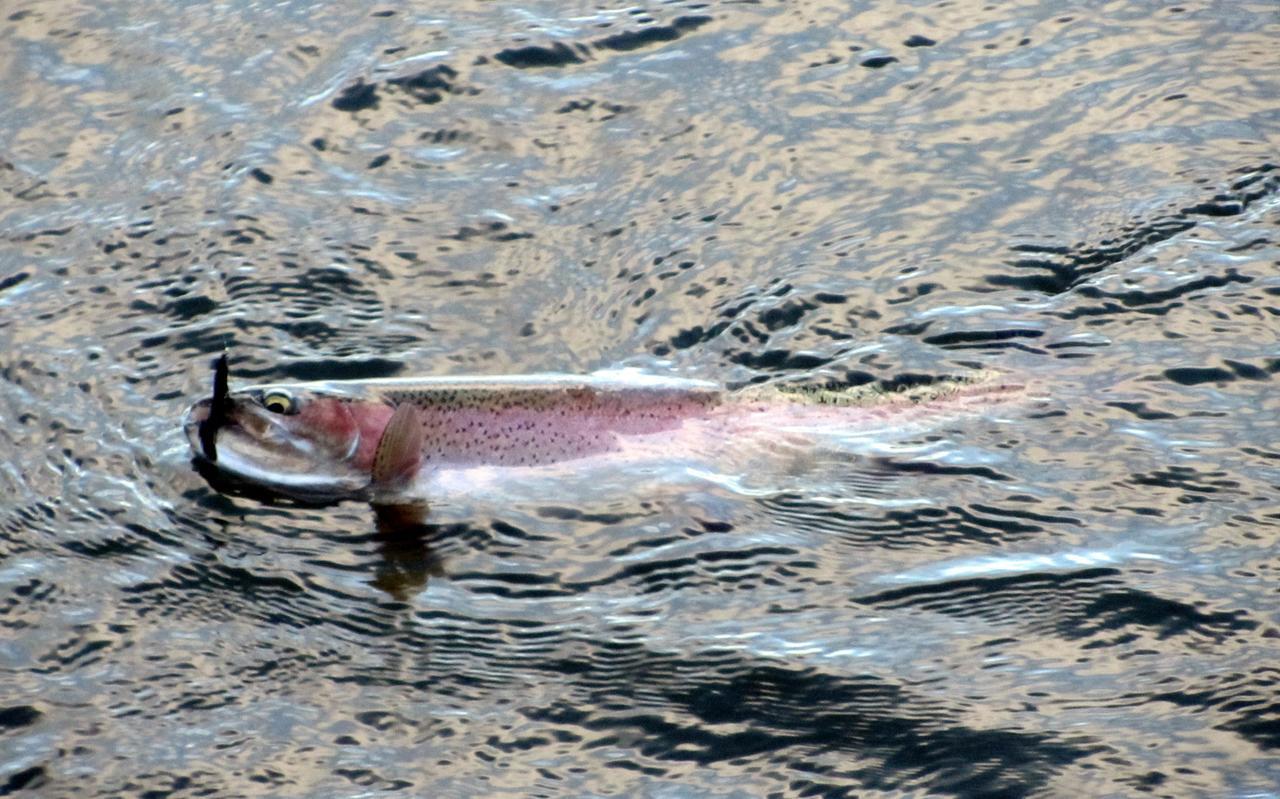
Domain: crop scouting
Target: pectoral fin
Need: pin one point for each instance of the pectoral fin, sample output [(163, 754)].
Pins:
[(399, 450)]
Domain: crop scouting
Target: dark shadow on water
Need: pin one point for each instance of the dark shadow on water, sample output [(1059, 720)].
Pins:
[(404, 541)]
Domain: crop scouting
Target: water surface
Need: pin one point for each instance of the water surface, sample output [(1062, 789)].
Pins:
[(1077, 599)]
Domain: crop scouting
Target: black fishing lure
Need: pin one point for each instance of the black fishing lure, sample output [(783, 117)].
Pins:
[(217, 409)]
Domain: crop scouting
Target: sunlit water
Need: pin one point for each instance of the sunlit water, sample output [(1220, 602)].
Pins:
[(1077, 598)]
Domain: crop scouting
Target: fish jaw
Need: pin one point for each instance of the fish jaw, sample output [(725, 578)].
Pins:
[(311, 456)]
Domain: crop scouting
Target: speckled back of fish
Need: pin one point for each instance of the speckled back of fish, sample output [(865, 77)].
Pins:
[(537, 423)]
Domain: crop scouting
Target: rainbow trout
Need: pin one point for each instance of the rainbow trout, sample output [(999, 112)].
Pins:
[(384, 440)]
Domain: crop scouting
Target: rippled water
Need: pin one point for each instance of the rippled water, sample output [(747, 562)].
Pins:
[(1076, 599)]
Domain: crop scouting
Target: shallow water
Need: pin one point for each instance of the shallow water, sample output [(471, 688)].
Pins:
[(1075, 600)]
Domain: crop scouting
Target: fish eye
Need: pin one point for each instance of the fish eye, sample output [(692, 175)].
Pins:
[(279, 402)]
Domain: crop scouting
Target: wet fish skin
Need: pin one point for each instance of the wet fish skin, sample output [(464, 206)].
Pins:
[(333, 440), (327, 446)]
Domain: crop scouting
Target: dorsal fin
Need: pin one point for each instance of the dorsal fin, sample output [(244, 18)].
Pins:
[(399, 449)]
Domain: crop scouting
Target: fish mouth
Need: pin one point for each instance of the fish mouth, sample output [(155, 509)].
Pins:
[(228, 450)]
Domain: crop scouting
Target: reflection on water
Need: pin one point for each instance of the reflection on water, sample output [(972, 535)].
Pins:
[(405, 543), (1077, 599)]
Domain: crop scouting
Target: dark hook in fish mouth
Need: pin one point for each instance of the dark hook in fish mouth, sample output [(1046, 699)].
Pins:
[(218, 408)]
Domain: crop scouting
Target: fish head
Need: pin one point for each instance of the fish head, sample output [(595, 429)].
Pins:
[(295, 442)]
